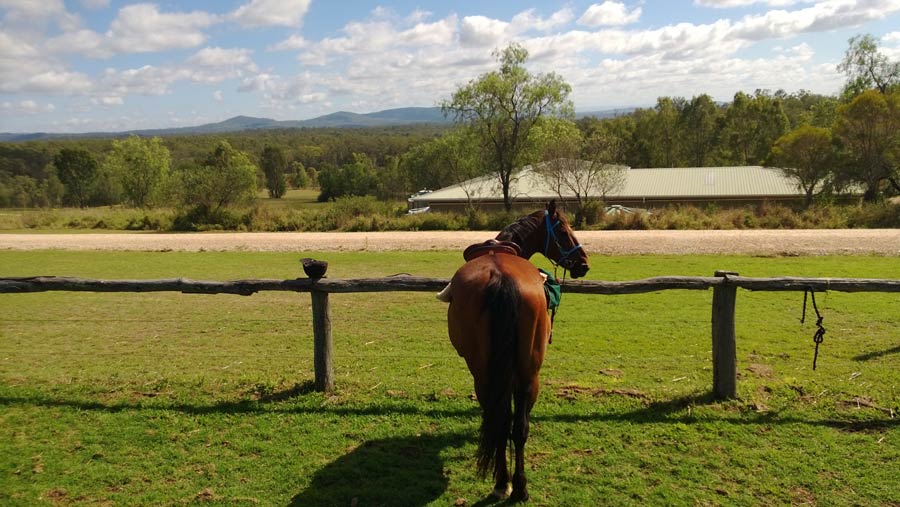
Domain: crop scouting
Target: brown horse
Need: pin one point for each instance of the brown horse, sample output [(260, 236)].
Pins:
[(498, 322)]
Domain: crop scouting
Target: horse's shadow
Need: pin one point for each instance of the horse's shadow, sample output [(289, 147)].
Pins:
[(404, 471)]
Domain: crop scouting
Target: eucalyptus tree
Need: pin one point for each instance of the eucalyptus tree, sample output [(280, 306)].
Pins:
[(273, 165), (502, 107), (868, 68), (807, 156), (578, 168), (868, 129), (142, 166), (77, 169), (699, 127)]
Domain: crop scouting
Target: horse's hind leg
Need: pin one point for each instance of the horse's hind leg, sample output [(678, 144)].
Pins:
[(501, 475), (525, 396)]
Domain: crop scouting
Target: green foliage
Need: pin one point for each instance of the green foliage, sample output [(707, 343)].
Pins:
[(225, 179), (298, 175), (806, 155), (576, 166), (867, 68), (698, 127), (76, 168), (366, 213), (450, 159), (502, 107), (357, 178), (142, 167), (273, 165), (868, 129), (21, 191)]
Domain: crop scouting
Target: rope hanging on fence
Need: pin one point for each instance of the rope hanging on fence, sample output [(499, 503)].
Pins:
[(819, 336)]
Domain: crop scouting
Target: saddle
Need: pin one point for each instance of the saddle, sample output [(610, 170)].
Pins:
[(491, 246)]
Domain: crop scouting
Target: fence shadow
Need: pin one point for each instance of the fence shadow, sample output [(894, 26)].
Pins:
[(669, 411), (390, 471), (876, 354)]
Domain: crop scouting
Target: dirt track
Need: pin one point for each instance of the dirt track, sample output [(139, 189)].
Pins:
[(754, 242)]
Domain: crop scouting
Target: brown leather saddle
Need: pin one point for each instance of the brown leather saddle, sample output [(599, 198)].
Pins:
[(491, 246)]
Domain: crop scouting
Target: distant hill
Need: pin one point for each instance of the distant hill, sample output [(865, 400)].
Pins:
[(340, 119)]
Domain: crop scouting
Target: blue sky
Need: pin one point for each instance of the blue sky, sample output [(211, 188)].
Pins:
[(106, 65)]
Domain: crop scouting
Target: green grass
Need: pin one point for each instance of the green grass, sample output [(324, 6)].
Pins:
[(172, 399), (301, 198)]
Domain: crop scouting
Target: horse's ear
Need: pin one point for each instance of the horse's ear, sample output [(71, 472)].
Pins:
[(551, 208)]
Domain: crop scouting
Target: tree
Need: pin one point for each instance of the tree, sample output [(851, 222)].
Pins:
[(356, 178), (666, 131), (699, 128), (578, 167), (503, 106), (807, 156), (868, 129), (299, 176), (273, 165), (76, 168), (771, 123), (142, 166), (868, 68), (224, 179)]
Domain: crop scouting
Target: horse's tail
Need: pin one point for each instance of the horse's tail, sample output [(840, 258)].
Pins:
[(501, 302)]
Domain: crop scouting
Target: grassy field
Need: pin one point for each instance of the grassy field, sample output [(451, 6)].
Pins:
[(171, 399), (294, 198)]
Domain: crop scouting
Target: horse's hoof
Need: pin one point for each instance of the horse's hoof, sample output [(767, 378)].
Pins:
[(501, 492), (519, 495)]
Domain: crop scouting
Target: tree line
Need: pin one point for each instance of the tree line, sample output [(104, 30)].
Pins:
[(504, 119)]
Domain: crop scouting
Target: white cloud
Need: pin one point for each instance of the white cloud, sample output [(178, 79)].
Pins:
[(292, 42), (146, 80), (219, 57), (609, 13), (893, 37), (418, 16), (528, 20), (218, 96), (481, 31), (824, 16), (440, 33), (33, 9), (108, 101), (143, 28), (84, 42), (27, 107), (214, 65), (271, 13), (23, 68)]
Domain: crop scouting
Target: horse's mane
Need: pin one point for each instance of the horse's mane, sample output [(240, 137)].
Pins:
[(521, 229)]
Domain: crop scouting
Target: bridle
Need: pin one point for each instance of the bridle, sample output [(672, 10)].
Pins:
[(564, 253)]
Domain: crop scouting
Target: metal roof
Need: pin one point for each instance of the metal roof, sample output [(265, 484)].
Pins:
[(655, 183)]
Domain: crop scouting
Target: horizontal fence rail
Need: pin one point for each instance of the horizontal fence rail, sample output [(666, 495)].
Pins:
[(422, 284), (724, 285)]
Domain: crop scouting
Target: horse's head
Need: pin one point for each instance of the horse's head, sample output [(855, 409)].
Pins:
[(560, 244)]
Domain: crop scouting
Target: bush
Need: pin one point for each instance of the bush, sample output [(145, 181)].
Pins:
[(875, 216), (369, 214)]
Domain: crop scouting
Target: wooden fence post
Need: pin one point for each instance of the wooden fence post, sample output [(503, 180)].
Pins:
[(322, 346), (724, 349)]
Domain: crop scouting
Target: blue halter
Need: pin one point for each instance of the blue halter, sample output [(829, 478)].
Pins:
[(551, 233)]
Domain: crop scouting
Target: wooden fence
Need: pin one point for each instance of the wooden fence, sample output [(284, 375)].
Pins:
[(724, 285)]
